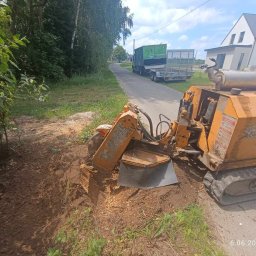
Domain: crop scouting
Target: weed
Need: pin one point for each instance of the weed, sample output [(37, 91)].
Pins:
[(54, 252), (95, 247), (130, 234), (61, 237), (164, 224), (191, 224), (184, 229), (79, 236)]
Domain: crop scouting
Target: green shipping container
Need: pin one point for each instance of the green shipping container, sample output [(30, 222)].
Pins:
[(149, 55), (154, 51)]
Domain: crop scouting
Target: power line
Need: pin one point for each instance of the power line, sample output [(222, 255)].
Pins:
[(174, 21)]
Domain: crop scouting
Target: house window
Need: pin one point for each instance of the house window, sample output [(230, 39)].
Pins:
[(232, 38), (220, 60), (241, 37), (240, 61)]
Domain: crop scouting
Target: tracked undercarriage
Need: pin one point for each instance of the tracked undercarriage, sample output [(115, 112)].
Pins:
[(234, 186)]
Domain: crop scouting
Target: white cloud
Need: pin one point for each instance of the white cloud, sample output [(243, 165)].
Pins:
[(203, 38), (200, 44), (183, 38), (162, 14), (161, 19)]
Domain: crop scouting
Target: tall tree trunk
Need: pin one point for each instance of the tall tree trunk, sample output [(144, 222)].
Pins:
[(75, 27), (31, 17), (73, 39)]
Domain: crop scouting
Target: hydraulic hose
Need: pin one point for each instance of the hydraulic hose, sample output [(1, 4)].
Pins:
[(161, 122), (149, 120), (145, 132)]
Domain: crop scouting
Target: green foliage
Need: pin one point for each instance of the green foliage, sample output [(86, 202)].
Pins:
[(119, 53), (164, 224), (190, 222), (199, 62), (54, 252), (61, 237), (9, 84), (68, 38), (78, 236), (42, 57), (126, 22), (95, 247)]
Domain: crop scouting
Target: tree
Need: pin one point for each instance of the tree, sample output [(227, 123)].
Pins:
[(126, 23), (119, 53), (11, 80), (68, 36)]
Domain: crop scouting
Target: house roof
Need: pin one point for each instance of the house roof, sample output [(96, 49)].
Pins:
[(232, 46), (251, 20)]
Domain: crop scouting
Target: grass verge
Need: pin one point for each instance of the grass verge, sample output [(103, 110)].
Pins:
[(198, 78), (127, 65), (98, 92), (185, 230), (78, 236)]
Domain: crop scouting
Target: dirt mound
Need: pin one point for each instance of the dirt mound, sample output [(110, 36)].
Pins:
[(39, 183), (155, 247), (43, 131), (123, 208)]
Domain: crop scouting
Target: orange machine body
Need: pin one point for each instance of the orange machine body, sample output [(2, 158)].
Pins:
[(231, 140), (116, 141)]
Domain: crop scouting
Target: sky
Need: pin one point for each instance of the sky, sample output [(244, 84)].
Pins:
[(162, 21)]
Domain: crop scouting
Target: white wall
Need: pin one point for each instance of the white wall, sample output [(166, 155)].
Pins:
[(228, 58), (253, 57), (237, 53), (232, 57), (240, 26)]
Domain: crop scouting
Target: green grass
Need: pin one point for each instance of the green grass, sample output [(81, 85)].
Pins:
[(98, 92), (78, 236), (127, 65), (198, 78), (185, 229)]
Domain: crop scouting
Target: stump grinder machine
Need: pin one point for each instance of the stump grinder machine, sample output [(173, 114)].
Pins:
[(216, 124)]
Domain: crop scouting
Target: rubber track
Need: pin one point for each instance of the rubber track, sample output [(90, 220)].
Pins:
[(216, 185)]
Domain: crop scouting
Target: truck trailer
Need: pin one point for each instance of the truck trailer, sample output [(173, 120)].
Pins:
[(179, 66)]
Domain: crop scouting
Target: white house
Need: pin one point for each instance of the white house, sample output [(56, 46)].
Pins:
[(238, 50)]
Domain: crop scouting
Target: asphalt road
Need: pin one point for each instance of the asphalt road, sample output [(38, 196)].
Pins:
[(234, 226), (153, 98)]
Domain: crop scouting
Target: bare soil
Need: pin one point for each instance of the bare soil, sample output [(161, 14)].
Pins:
[(40, 185)]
